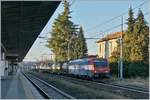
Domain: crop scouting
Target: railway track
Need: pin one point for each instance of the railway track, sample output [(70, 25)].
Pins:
[(132, 88), (132, 92), (129, 88), (47, 90), (126, 87), (128, 91)]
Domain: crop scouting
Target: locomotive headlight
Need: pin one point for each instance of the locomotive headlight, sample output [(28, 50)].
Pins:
[(95, 71), (90, 67), (53, 67), (58, 68)]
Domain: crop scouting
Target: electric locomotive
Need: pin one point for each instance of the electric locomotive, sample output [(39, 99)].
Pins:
[(85, 67)]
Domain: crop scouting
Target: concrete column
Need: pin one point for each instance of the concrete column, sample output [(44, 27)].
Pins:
[(0, 55), (3, 56), (2, 64)]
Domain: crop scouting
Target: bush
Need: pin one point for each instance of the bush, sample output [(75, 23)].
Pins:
[(131, 69), (114, 68), (135, 69)]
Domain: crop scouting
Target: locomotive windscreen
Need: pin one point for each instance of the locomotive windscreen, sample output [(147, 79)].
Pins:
[(99, 63)]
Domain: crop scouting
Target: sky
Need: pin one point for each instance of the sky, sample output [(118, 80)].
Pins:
[(94, 16)]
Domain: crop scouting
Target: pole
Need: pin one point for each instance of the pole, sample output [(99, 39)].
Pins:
[(118, 68), (68, 50), (121, 45)]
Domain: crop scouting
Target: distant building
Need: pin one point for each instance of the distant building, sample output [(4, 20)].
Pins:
[(108, 44)]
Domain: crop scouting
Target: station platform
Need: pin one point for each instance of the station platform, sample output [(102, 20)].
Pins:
[(17, 86)]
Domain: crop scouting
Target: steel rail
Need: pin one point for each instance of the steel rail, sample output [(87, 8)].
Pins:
[(54, 88), (122, 87), (129, 87), (44, 94)]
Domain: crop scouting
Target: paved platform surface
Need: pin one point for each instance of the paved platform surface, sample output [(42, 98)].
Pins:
[(18, 87)]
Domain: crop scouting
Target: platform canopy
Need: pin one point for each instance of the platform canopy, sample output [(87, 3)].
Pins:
[(21, 23)]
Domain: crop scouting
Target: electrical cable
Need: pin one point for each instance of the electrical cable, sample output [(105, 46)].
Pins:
[(103, 23), (117, 26)]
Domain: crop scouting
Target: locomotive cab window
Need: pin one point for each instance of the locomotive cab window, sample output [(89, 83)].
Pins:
[(100, 63)]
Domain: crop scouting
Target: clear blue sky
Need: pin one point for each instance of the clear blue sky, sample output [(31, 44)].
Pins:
[(91, 14)]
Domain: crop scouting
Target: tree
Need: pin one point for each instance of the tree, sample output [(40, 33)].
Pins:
[(64, 37), (63, 29), (139, 50), (135, 47), (128, 36), (81, 44), (138, 57), (131, 21)]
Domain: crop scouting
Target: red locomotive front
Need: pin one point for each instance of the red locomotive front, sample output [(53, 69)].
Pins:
[(100, 67)]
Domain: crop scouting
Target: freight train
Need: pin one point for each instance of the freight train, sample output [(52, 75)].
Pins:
[(85, 67)]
